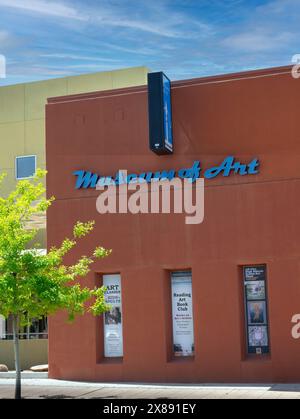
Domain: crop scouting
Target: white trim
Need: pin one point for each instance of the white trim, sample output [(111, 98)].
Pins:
[(22, 157), (2, 327), (228, 80)]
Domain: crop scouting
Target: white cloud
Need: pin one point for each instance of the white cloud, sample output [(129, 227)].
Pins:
[(94, 67), (257, 42), (4, 36), (270, 27), (156, 18), (145, 16), (142, 25), (165, 23), (50, 8), (79, 58), (279, 7), (139, 51), (7, 41)]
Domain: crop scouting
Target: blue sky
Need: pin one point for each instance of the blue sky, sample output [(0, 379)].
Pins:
[(185, 38)]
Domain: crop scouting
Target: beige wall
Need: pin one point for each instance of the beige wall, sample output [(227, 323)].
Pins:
[(22, 114), (32, 352)]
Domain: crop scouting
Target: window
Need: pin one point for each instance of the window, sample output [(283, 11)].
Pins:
[(113, 329), (38, 329), (25, 167), (256, 309), (182, 313)]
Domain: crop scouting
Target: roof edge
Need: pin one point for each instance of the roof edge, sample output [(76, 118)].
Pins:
[(272, 71)]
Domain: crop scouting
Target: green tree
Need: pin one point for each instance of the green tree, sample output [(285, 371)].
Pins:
[(33, 285)]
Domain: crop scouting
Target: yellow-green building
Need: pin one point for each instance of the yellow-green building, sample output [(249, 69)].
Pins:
[(22, 115), (22, 140)]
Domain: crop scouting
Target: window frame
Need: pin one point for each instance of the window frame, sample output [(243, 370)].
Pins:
[(16, 166)]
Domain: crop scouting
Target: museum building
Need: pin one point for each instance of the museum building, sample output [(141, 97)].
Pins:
[(207, 302)]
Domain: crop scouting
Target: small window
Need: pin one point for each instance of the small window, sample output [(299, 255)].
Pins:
[(25, 167), (256, 302), (38, 329)]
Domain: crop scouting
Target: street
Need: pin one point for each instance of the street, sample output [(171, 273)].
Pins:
[(53, 389)]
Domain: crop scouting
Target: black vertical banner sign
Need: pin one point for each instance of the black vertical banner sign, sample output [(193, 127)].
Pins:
[(160, 113)]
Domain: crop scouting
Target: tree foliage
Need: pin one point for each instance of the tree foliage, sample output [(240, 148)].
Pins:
[(33, 284)]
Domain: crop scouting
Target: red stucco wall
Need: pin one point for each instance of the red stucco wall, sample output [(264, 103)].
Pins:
[(248, 220)]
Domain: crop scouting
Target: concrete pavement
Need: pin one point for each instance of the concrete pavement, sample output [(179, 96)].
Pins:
[(53, 389)]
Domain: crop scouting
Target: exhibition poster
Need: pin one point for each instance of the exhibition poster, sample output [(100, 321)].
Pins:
[(182, 310), (113, 330)]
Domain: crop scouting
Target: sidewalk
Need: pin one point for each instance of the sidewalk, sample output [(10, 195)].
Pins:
[(53, 389)]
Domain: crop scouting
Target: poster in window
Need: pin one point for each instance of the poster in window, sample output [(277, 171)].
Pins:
[(255, 290), (182, 310), (113, 331), (258, 336), (255, 273), (257, 312)]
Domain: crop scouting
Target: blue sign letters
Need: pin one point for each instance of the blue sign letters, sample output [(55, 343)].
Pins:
[(87, 180)]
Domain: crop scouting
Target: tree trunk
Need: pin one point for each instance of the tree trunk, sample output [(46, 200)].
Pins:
[(17, 356)]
